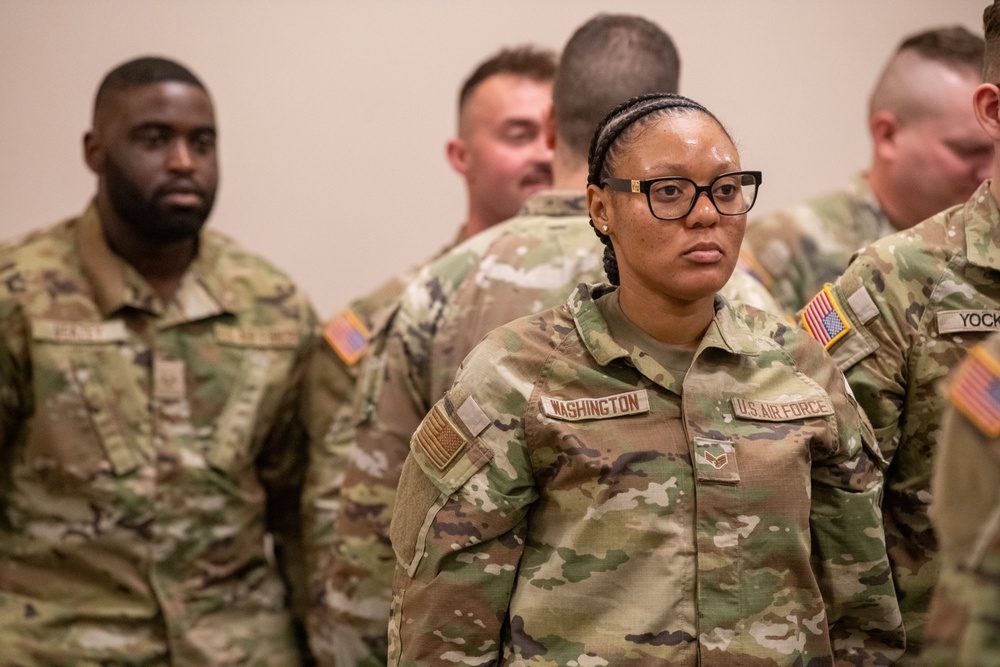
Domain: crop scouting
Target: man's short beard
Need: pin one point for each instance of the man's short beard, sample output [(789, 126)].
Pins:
[(152, 221)]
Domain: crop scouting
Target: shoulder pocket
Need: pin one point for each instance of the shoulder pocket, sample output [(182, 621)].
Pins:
[(443, 456)]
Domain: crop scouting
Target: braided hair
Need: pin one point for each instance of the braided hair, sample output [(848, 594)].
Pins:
[(611, 137)]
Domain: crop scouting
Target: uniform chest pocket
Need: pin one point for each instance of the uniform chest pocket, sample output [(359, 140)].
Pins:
[(263, 359), (91, 411)]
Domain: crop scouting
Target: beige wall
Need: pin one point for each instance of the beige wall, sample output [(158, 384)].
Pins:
[(333, 114)]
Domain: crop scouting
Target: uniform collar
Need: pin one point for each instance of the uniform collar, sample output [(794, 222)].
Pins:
[(982, 228), (728, 332), (116, 284), (556, 203), (861, 190)]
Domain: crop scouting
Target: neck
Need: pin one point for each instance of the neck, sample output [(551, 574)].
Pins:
[(895, 208), (162, 265), (681, 323), (474, 223), (569, 172)]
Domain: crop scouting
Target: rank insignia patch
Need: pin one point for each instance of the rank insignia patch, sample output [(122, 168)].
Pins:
[(347, 336), (824, 320), (976, 391)]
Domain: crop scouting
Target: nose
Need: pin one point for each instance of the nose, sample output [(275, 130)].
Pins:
[(704, 213), (179, 158)]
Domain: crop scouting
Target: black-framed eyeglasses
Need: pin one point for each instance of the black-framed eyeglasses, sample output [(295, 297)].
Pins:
[(674, 197)]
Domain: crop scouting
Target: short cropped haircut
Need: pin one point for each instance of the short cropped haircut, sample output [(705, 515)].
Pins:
[(608, 60), (524, 61), (952, 47), (991, 28), (141, 72)]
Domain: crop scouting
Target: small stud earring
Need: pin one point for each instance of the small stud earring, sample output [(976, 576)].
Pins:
[(604, 228)]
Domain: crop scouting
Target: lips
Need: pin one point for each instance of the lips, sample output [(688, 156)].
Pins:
[(704, 253), (182, 195)]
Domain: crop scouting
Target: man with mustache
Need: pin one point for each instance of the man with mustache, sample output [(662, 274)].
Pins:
[(150, 444)]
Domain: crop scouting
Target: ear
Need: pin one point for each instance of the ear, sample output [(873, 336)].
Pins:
[(883, 126), (550, 129), (597, 204), (458, 156), (986, 103), (93, 152)]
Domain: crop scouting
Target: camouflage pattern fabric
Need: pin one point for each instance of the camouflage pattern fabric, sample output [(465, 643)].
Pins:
[(152, 454), (904, 314), (573, 502), (799, 250), (343, 630), (963, 627), (513, 269)]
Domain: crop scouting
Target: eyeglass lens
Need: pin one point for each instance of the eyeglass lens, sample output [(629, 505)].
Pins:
[(732, 194)]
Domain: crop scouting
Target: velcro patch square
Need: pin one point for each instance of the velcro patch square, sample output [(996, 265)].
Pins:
[(976, 391), (824, 320), (438, 439), (348, 336), (715, 461)]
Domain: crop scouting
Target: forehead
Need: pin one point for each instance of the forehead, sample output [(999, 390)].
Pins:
[(504, 95), (168, 102), (675, 141)]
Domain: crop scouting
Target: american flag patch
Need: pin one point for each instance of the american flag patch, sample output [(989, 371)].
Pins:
[(824, 320), (347, 336), (975, 391)]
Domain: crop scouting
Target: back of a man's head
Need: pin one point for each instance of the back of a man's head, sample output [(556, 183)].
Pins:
[(991, 28), (608, 60), (142, 72), (899, 88)]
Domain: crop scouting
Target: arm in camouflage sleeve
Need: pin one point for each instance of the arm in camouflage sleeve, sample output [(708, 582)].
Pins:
[(878, 380), (14, 394), (849, 550), (281, 466), (354, 562), (458, 528)]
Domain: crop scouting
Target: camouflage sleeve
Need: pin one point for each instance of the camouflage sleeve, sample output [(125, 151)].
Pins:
[(963, 626), (849, 549), (877, 380), (328, 394), (459, 524), (14, 381), (353, 563), (281, 467)]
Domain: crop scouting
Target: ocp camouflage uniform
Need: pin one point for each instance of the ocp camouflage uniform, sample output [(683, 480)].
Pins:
[(963, 627), (910, 307), (343, 630), (513, 269), (337, 632), (579, 499), (147, 449), (799, 250)]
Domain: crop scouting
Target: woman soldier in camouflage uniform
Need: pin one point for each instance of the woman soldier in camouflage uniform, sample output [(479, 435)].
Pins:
[(647, 474)]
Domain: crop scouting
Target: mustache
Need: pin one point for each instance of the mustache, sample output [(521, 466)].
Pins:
[(539, 173)]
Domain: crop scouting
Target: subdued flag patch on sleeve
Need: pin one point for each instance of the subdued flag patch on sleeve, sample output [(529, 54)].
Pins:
[(975, 391), (347, 335), (438, 439), (824, 320)]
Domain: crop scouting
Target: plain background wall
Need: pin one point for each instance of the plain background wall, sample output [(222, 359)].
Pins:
[(333, 115)]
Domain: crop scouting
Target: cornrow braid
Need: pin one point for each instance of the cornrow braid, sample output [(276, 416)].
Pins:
[(622, 117)]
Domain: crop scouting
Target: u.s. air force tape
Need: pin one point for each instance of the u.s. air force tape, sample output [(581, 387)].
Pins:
[(783, 411), (602, 407)]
